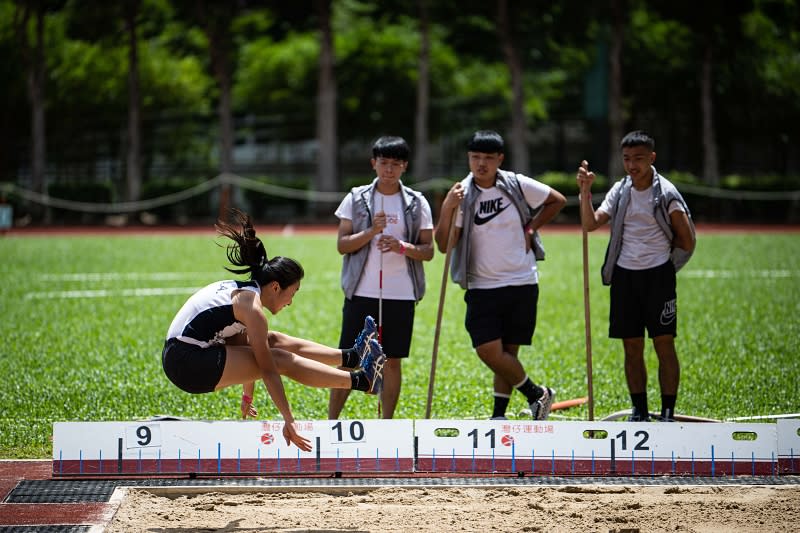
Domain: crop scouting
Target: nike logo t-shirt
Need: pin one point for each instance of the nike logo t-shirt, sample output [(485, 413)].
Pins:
[(498, 256)]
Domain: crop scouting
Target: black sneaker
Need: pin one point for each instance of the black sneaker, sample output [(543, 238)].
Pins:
[(637, 416), (666, 416), (540, 409)]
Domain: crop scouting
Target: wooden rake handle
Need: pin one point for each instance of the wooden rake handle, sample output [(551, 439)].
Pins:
[(442, 291)]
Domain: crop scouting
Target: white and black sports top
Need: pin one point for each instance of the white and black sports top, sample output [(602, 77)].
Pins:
[(206, 319)]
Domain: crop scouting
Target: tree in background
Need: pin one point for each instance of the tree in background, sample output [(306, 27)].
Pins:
[(117, 25), (216, 19), (420, 168), (33, 53), (134, 174), (327, 164), (521, 64), (616, 118), (106, 84), (380, 51), (774, 29), (519, 121), (716, 30)]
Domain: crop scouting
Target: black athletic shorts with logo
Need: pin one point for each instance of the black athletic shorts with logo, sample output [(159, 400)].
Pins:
[(643, 299), (505, 313), (398, 323), (192, 368)]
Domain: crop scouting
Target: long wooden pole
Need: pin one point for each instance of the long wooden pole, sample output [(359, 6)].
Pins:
[(587, 319), (442, 291), (587, 322)]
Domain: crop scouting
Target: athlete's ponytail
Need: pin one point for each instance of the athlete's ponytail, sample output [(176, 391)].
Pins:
[(249, 253)]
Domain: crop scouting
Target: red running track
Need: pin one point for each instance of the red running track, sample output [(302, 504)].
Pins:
[(32, 514)]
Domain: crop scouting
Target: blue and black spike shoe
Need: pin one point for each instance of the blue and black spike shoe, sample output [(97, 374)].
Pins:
[(362, 341), (372, 366)]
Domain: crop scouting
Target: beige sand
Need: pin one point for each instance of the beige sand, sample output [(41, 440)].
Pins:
[(604, 508)]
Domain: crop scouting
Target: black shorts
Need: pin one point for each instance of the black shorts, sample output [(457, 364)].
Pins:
[(505, 313), (643, 299), (398, 323), (192, 368)]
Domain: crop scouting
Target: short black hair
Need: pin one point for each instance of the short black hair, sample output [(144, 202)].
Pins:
[(486, 142), (391, 147), (638, 138)]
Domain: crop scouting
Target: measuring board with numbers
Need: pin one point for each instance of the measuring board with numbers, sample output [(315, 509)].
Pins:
[(608, 448), (228, 447), (218, 448)]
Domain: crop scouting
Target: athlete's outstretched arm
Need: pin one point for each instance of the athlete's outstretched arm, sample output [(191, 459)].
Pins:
[(247, 310)]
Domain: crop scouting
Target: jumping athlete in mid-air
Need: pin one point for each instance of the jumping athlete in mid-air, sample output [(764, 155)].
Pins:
[(220, 337)]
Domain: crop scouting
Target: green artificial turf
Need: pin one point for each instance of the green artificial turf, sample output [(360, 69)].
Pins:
[(84, 318)]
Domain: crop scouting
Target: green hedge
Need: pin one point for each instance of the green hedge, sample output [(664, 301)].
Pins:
[(566, 184), (89, 192), (726, 210), (196, 207), (267, 208)]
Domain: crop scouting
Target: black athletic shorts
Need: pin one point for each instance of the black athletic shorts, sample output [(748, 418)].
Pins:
[(643, 299), (192, 368), (398, 323), (505, 313)]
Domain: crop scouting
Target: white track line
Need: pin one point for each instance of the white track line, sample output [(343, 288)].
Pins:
[(732, 274), (134, 276), (108, 293)]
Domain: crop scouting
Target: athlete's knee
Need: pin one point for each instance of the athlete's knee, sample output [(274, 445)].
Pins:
[(664, 346), (490, 351), (284, 361), (634, 347), (275, 338), (489, 357)]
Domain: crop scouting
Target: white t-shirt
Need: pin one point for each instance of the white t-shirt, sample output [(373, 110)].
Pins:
[(644, 245), (497, 251), (397, 284)]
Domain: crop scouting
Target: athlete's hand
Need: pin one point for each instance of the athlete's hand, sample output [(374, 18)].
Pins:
[(247, 407), (387, 243), (292, 436), (584, 177), (379, 222), (454, 196)]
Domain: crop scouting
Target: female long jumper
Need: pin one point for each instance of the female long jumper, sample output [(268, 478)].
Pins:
[(220, 337)]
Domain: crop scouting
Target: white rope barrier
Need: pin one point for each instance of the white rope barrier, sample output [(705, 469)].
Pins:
[(323, 196), (113, 208)]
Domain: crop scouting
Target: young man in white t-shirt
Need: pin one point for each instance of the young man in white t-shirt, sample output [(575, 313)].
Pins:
[(650, 226), (385, 233), (493, 260)]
